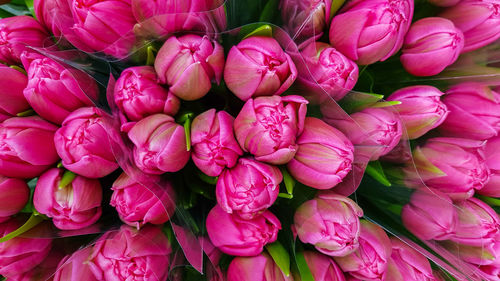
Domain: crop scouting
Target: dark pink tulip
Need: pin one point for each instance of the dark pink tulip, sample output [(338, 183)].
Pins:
[(330, 69), (19, 255), (130, 253), (257, 268), (137, 205), (249, 188), (160, 144), (330, 222), (74, 206), (430, 215), (189, 64), (47, 12), (370, 31), (322, 267), (258, 66), (12, 84), (267, 127), (369, 261), (16, 34), (83, 143), (241, 237), (138, 94), (75, 267), (478, 20), (213, 141), (412, 265), (474, 112), (400, 154), (324, 155), (27, 146), (305, 19), (55, 90), (43, 271), (14, 193), (421, 109), (492, 154)]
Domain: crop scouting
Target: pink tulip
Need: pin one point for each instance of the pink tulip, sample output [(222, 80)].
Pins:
[(214, 145), (305, 19), (420, 110), (330, 222), (47, 12), (27, 146), (137, 205), (160, 144), (258, 66), (369, 261), (485, 255), (474, 112), (14, 193), (241, 237), (19, 255), (188, 64), (12, 84), (490, 272), (322, 267), (430, 215), (324, 155), (83, 143), (249, 188), (370, 31), (330, 70), (400, 154), (478, 20), (257, 268), (268, 126), (75, 267), (130, 253), (43, 271), (17, 33), (412, 265), (492, 154)]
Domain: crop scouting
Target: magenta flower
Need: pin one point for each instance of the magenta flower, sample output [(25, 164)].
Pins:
[(257, 268), (43, 271), (305, 19), (322, 267), (492, 154), (75, 267), (12, 84), (412, 265), (47, 12), (15, 194)]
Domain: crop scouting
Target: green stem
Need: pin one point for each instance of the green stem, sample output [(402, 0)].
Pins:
[(288, 180), (66, 179), (208, 179), (396, 209), (33, 221), (19, 69), (186, 119), (28, 112), (285, 195), (150, 52)]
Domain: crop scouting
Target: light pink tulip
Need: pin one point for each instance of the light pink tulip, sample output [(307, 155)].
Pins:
[(257, 268), (492, 154), (305, 19), (12, 84), (486, 254), (412, 265), (322, 267), (75, 267), (14, 193)]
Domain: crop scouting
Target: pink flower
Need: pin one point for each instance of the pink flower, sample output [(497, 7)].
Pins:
[(305, 19), (258, 66), (14, 193), (12, 84), (322, 267), (268, 126), (75, 267), (49, 14), (257, 268), (492, 154), (412, 265), (43, 271)]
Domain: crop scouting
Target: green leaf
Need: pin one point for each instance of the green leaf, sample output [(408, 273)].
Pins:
[(261, 30), (375, 170), (489, 200), (288, 180), (305, 272), (150, 52), (269, 11), (280, 256), (336, 4), (386, 103), (29, 4), (33, 221), (356, 101), (15, 10)]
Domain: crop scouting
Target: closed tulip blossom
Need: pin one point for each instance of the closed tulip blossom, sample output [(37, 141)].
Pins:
[(137, 205), (249, 188), (83, 143), (267, 127), (305, 19), (12, 84), (412, 265), (370, 31), (258, 66), (330, 222), (46, 12), (241, 237), (214, 145), (322, 267), (257, 268), (330, 70), (26, 146), (484, 255), (324, 155), (421, 109), (75, 267), (492, 154), (189, 64), (370, 260), (15, 193), (160, 144), (17, 33)]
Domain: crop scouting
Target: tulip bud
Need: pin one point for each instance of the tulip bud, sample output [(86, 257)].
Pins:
[(130, 253), (12, 84), (330, 222), (305, 19), (420, 110), (47, 12), (214, 145), (138, 205), (322, 267), (430, 46), (257, 268), (241, 237), (484, 254), (249, 188), (83, 144), (27, 146), (55, 90), (324, 155), (369, 261), (268, 126), (75, 267), (331, 71), (160, 144), (17, 33), (400, 154), (478, 20), (258, 66), (492, 153), (412, 265), (14, 193), (19, 255), (367, 31), (188, 64), (430, 215), (474, 112)]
